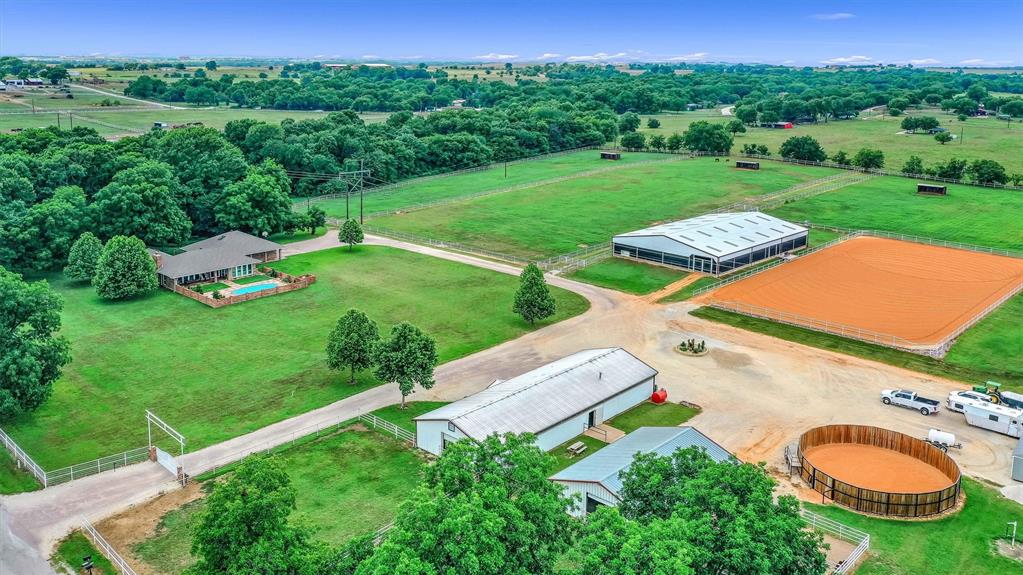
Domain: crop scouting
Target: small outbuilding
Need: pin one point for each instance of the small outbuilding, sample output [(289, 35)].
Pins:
[(610, 156), (597, 478), (778, 125), (747, 165), (555, 402), (713, 243), (932, 190)]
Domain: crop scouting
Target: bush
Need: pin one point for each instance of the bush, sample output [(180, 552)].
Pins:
[(653, 123), (125, 269)]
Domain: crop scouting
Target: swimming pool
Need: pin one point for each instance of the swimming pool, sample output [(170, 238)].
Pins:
[(253, 288)]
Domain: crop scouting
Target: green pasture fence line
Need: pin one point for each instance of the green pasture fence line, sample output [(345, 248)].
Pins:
[(71, 472), (800, 191)]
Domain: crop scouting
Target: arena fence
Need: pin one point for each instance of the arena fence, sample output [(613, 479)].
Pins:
[(892, 504), (839, 531)]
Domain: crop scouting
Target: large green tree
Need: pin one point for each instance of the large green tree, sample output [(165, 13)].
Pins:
[(407, 358), (703, 136), (244, 528), (258, 204), (353, 343), (869, 158), (81, 262), (613, 545), (987, 172), (485, 508), (350, 233), (31, 352), (533, 300), (124, 269), (802, 148), (144, 201)]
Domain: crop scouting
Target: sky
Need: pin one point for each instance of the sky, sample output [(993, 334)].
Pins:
[(924, 33)]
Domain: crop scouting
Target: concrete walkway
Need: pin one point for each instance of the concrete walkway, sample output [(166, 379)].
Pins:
[(758, 394)]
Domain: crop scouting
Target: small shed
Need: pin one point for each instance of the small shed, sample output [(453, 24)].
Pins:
[(746, 165), (691, 107), (610, 156), (932, 189), (779, 125), (1017, 462)]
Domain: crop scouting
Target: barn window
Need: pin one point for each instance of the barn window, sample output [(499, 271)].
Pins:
[(451, 426)]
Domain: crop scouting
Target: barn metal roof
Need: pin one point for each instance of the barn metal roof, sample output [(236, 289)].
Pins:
[(606, 465), (723, 234), (546, 396)]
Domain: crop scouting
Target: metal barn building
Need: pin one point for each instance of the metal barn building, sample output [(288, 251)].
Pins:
[(555, 402), (713, 243), (596, 479)]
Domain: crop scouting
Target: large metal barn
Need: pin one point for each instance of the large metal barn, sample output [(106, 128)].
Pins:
[(713, 243)]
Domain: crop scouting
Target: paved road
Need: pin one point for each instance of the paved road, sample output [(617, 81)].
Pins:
[(758, 394)]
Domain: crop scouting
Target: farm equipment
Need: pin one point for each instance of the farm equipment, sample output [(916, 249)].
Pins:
[(993, 389), (942, 439)]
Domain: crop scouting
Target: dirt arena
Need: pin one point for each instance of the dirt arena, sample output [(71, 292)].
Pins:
[(876, 468), (917, 293)]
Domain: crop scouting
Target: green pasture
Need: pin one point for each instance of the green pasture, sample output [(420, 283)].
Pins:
[(983, 138), (627, 276), (496, 178), (347, 484), (562, 217), (968, 214), (217, 373)]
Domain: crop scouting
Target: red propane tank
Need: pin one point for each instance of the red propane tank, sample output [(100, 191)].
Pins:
[(659, 396)]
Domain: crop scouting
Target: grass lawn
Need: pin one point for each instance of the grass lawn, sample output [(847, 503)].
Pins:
[(971, 369), (207, 288), (960, 544), (562, 217), (627, 276), (403, 417), (251, 279), (12, 479), (643, 415), (995, 345), (440, 188), (347, 484), (688, 291), (73, 549), (983, 138), (217, 373), (981, 216)]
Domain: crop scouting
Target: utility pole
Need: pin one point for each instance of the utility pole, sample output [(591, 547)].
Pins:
[(506, 169), (71, 120), (58, 120), (961, 134), (362, 216)]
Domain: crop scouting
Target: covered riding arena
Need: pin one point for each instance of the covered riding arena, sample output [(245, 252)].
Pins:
[(878, 471), (905, 294)]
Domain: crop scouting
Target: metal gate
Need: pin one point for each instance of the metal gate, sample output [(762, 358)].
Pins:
[(167, 461)]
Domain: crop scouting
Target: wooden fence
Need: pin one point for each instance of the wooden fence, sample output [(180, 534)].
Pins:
[(292, 283), (895, 504)]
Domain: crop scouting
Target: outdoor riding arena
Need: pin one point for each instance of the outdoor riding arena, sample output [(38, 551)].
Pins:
[(906, 294), (878, 471)]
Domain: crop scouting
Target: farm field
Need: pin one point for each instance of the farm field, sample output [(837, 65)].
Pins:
[(972, 215), (983, 138), (960, 544), (347, 484), (565, 216), (10, 122), (165, 352), (454, 186), (627, 276)]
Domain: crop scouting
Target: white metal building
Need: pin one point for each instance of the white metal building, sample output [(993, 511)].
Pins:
[(713, 243), (555, 402), (596, 479)]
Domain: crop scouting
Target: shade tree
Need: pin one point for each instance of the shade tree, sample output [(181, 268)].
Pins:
[(533, 300), (407, 358), (352, 343), (83, 258), (124, 269)]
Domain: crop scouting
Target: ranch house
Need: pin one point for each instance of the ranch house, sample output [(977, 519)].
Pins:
[(228, 256), (555, 402), (596, 479)]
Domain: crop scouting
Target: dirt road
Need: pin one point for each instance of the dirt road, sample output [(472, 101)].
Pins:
[(758, 395)]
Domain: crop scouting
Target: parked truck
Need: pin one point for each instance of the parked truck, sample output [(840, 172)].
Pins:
[(910, 400)]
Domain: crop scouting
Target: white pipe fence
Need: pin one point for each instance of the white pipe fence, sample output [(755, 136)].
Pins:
[(843, 532), (390, 428), (71, 472), (21, 457), (106, 548)]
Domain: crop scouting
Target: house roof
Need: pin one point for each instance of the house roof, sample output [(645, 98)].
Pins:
[(722, 234), (219, 252), (605, 466), (541, 398)]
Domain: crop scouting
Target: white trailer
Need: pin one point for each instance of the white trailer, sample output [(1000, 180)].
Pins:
[(958, 400), (998, 418)]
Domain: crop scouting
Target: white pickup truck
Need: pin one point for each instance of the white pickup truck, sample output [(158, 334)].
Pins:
[(910, 400)]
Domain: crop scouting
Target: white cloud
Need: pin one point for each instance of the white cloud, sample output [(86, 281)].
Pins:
[(849, 60), (495, 56), (788, 62), (983, 62), (694, 57), (833, 16), (547, 56), (598, 57), (924, 61), (369, 57)]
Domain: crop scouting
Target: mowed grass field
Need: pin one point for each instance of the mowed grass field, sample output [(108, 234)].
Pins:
[(562, 217), (217, 373), (434, 189), (346, 484), (983, 138), (627, 276)]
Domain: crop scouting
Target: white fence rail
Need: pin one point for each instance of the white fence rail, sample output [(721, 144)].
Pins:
[(22, 458), (106, 548), (108, 463), (392, 429), (843, 532)]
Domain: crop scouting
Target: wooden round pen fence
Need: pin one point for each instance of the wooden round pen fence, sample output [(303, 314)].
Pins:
[(878, 471)]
